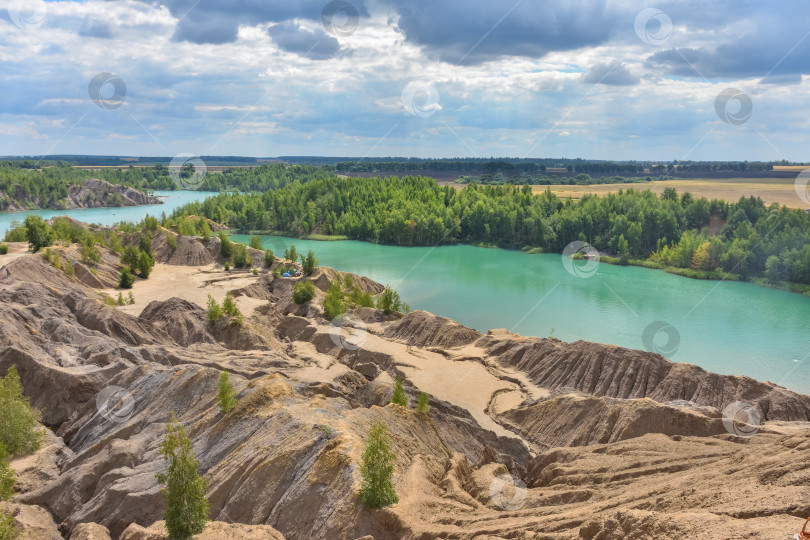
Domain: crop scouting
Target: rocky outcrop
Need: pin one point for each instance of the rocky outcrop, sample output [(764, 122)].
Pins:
[(94, 193), (216, 530), (423, 329)]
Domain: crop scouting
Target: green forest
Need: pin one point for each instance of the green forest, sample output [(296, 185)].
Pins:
[(639, 227)]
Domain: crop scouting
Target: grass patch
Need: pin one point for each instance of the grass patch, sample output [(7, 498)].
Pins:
[(325, 237)]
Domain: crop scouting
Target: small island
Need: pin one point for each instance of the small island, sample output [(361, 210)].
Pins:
[(89, 193)]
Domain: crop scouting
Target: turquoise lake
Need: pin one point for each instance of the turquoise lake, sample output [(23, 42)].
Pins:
[(726, 327)]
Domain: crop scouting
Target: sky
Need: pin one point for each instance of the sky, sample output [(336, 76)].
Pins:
[(620, 79)]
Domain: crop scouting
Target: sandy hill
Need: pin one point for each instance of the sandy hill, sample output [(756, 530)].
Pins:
[(526, 438)]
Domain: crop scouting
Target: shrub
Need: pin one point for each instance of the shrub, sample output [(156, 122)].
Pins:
[(227, 266), (327, 432), (69, 270), (16, 233), (423, 404), (57, 261), (109, 300), (8, 527), (129, 257), (399, 397), (241, 257), (186, 512), (309, 263), (145, 264), (20, 432), (126, 280), (226, 397), (114, 244), (225, 246), (38, 233), (145, 244), (3, 249), (205, 229), (255, 272), (255, 242), (130, 298), (47, 254), (171, 240), (303, 292), (333, 304), (377, 470), (89, 252), (187, 227), (389, 301), (291, 254), (269, 258), (229, 307), (214, 312), (7, 477)]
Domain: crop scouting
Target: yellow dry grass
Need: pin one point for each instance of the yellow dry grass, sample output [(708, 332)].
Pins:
[(778, 190)]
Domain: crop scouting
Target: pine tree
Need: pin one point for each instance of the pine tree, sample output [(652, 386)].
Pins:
[(226, 398), (423, 405), (399, 396), (186, 512), (20, 433), (309, 263), (377, 469)]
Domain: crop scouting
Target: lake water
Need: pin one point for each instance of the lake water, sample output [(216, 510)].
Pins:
[(726, 327)]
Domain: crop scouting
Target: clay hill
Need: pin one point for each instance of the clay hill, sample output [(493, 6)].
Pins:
[(91, 193), (526, 438)]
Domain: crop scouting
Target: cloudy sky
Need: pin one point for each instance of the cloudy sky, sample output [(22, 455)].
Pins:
[(600, 79)]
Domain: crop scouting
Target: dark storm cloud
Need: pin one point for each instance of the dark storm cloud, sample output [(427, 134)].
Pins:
[(317, 44), (217, 21), (474, 31), (774, 42), (610, 73)]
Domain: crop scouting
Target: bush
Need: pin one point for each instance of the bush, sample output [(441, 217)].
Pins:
[(114, 244), (227, 266), (214, 312), (226, 397), (130, 298), (186, 512), (423, 404), (145, 264), (38, 233), (17, 233), (3, 249), (145, 244), (291, 254), (377, 470), (399, 397), (47, 254), (389, 301), (69, 270), (269, 258), (255, 272), (20, 432), (7, 477), (109, 300), (8, 528), (303, 292), (255, 242), (229, 307), (333, 304), (120, 300), (309, 263), (225, 246), (89, 252), (171, 240), (129, 257), (126, 280), (241, 257)]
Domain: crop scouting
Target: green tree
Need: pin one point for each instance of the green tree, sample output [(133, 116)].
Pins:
[(225, 246), (129, 257), (226, 397), (145, 244), (389, 301), (309, 263), (186, 512), (241, 256), (171, 241), (214, 312), (423, 404), (333, 304), (20, 432), (399, 397), (7, 476), (8, 528), (3, 249), (229, 307), (303, 292), (89, 252), (126, 280), (624, 257), (669, 194), (205, 229), (291, 254), (377, 470), (145, 264), (39, 234), (269, 258), (255, 242), (775, 270), (69, 270)]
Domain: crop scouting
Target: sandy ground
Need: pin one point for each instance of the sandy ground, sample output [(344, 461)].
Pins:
[(190, 283), (15, 251), (771, 190)]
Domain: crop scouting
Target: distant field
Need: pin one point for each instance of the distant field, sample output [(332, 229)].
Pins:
[(779, 190)]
